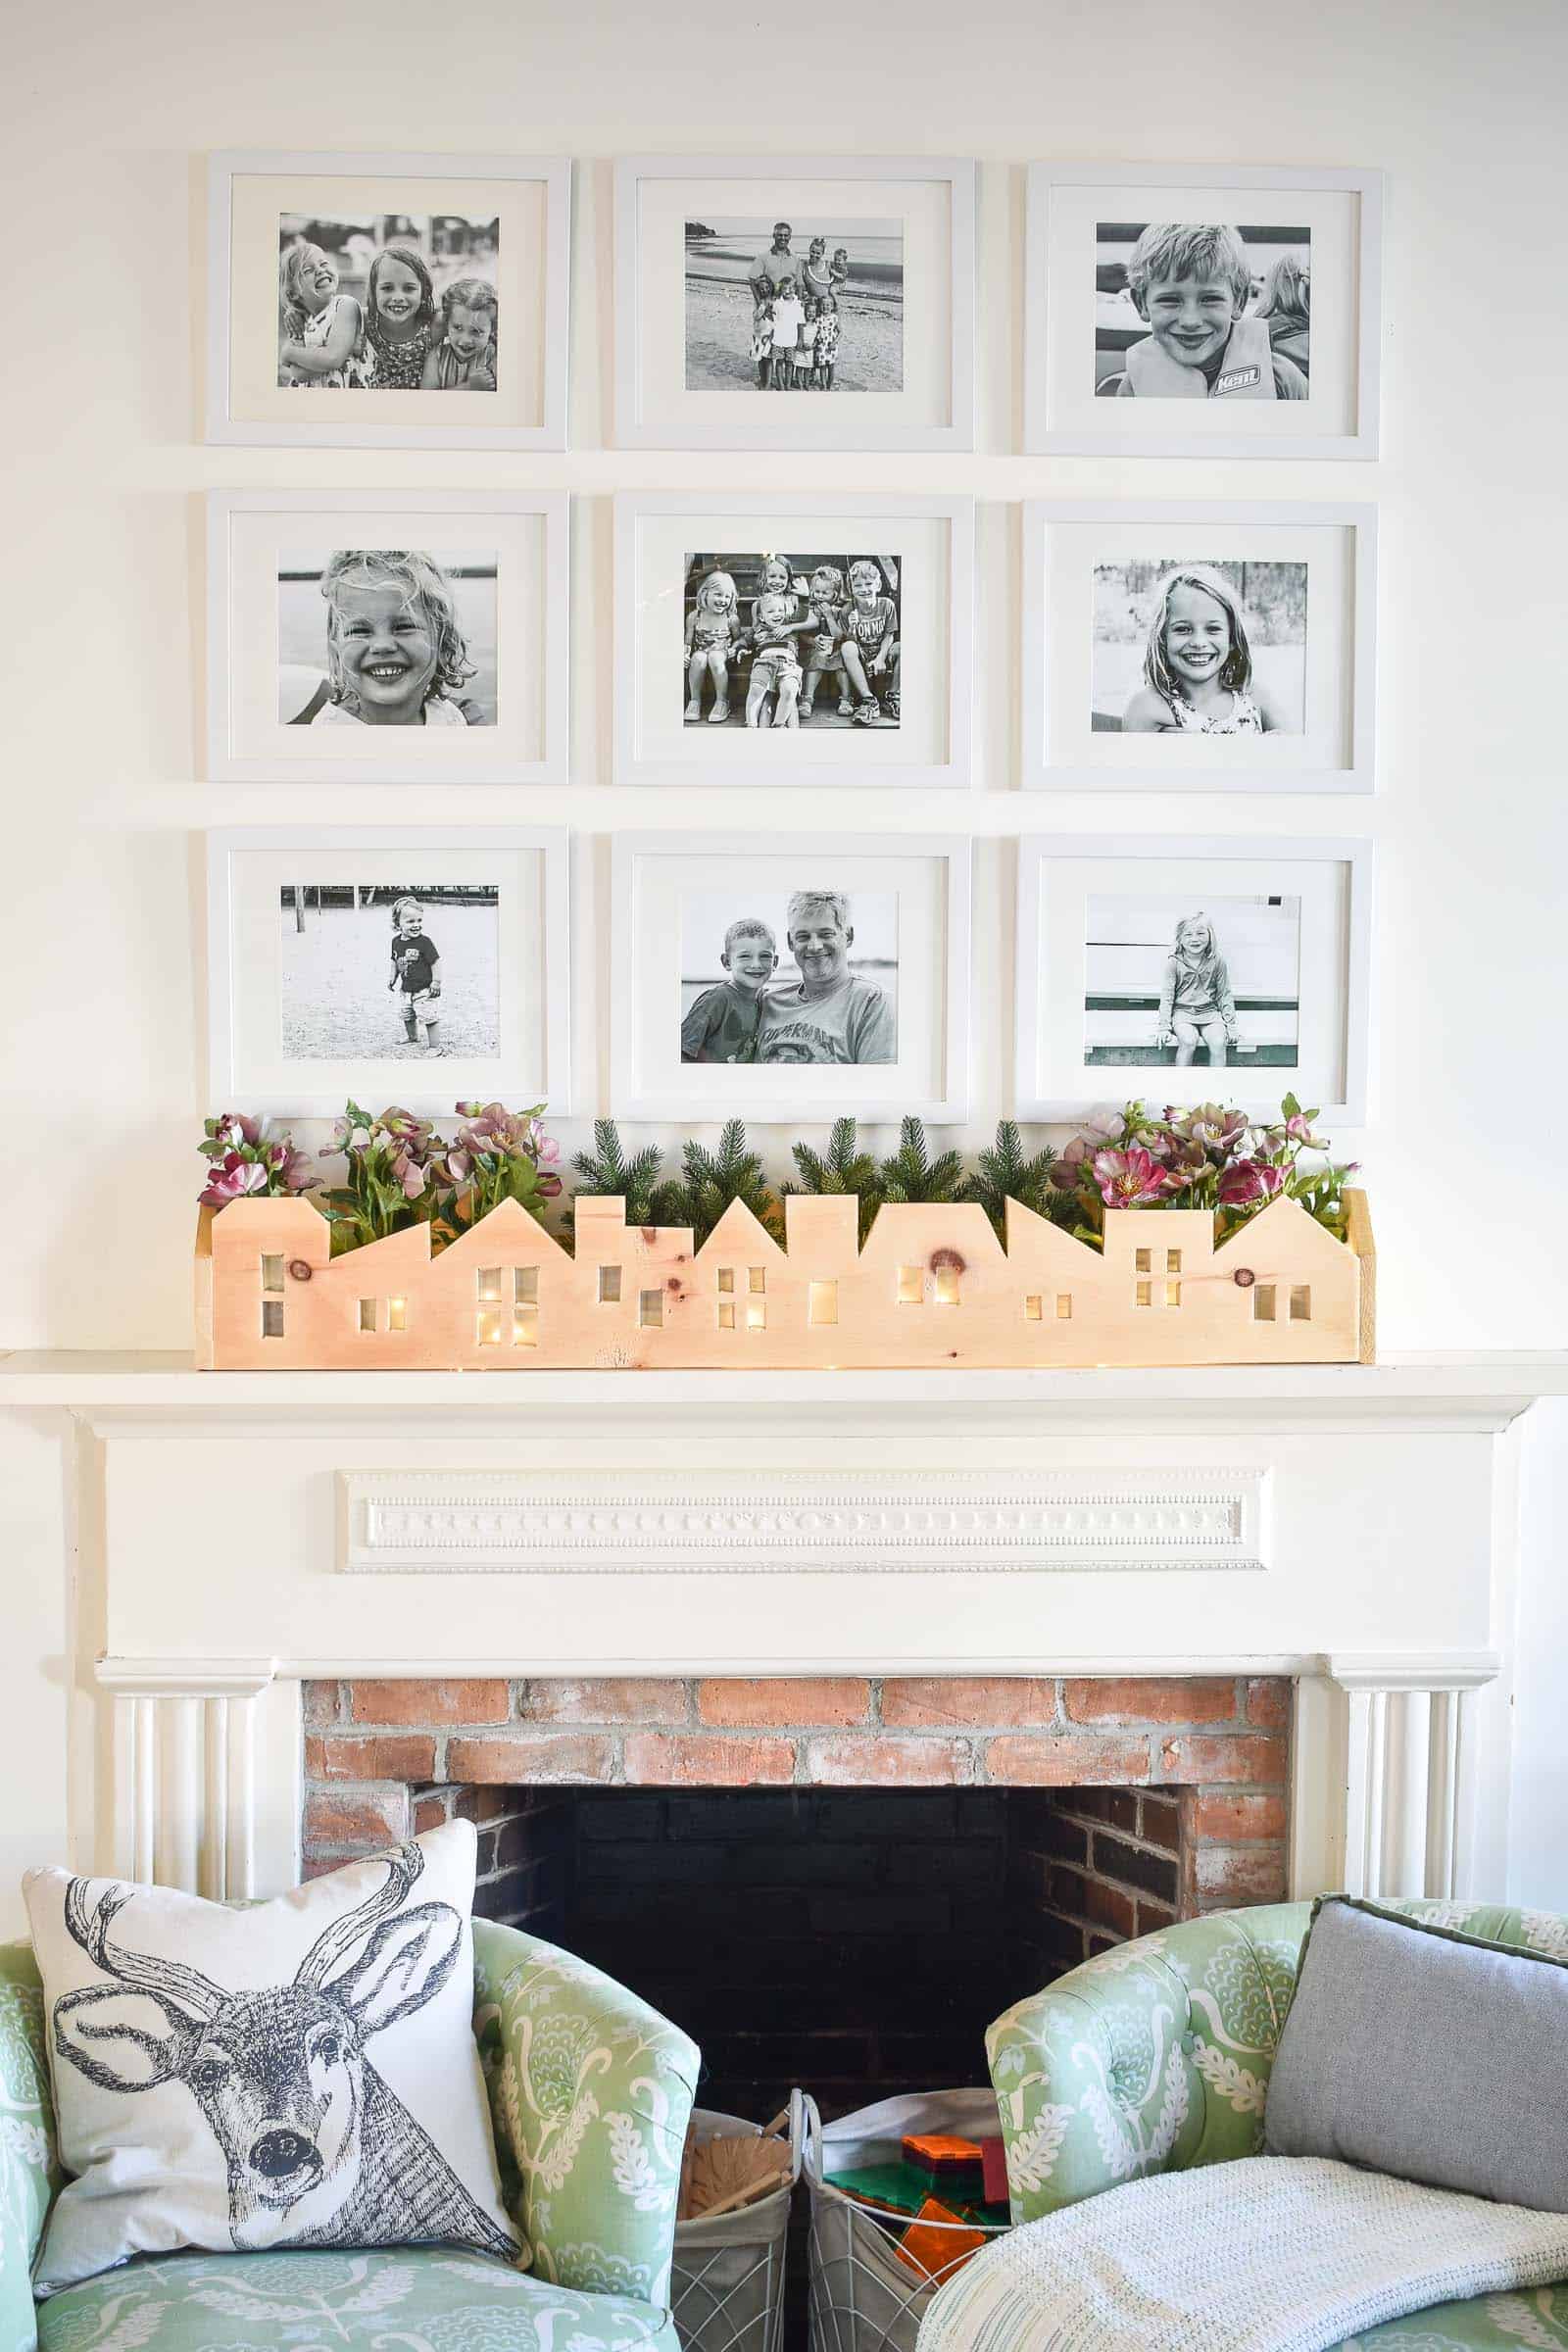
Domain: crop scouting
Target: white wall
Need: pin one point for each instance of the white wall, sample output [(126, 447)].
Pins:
[(110, 111)]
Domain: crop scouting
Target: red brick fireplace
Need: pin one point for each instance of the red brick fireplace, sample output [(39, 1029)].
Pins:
[(834, 1881)]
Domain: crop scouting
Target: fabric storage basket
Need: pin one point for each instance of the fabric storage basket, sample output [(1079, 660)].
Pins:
[(726, 2288), (862, 2297)]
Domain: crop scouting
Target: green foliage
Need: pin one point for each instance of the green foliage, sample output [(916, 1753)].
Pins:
[(1004, 1173), (710, 1181), (843, 1168), (911, 1174), (607, 1168)]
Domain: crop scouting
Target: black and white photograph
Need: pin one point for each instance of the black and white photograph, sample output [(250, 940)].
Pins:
[(1171, 983), (1190, 310), (807, 976), (403, 639), (387, 301), (799, 305), (389, 971), (387, 637), (792, 640), (1200, 648)]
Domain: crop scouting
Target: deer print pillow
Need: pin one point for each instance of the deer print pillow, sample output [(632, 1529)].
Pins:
[(302, 2072)]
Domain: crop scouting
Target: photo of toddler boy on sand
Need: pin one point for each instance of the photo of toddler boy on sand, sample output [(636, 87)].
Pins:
[(1199, 311), (800, 306), (381, 972), (390, 302)]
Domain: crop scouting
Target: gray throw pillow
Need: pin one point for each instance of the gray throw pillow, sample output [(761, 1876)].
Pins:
[(1428, 2054)]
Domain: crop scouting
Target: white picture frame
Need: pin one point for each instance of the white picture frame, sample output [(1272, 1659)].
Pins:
[(261, 609), (1064, 318), (1326, 628), (1328, 881), (933, 201), (522, 994), (929, 544), (528, 198), (668, 890)]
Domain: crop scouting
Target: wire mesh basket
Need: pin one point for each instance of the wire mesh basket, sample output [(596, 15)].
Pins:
[(727, 2283), (869, 2291)]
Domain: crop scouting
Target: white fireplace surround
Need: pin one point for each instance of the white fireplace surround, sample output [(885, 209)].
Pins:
[(1353, 1527)]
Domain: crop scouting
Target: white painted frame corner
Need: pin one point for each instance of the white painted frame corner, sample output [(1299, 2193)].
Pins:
[(553, 766), (227, 1083), (632, 506), (633, 430), (319, 431), (1367, 186), (1036, 850), (1360, 518), (631, 1099)]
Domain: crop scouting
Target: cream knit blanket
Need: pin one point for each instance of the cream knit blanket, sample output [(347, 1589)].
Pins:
[(1267, 2254)]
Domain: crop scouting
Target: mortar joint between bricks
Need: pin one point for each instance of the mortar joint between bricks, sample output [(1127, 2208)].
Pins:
[(518, 1699), (690, 1716), (873, 1704)]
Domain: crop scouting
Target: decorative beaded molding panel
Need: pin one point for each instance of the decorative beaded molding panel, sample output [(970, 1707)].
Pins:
[(1006, 1522)]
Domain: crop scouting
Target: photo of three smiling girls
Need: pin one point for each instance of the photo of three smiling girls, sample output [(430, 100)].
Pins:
[(389, 303)]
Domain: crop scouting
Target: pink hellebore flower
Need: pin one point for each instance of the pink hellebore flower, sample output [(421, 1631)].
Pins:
[(549, 1150), (1212, 1127), (1300, 1130), (402, 1127), (1249, 1181), (234, 1128), (1129, 1179), (232, 1180)]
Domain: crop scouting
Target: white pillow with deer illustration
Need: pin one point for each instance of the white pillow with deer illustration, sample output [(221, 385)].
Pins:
[(297, 2072)]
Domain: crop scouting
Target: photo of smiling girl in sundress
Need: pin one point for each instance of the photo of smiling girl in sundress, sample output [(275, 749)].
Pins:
[(1200, 649), (390, 302)]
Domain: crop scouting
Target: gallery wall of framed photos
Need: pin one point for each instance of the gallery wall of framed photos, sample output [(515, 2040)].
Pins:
[(789, 642)]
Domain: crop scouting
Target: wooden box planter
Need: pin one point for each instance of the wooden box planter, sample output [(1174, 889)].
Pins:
[(933, 1288)]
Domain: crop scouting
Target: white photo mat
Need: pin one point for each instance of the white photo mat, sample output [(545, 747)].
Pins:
[(248, 869), (1344, 213), (530, 198), (254, 534), (1065, 540), (655, 876), (933, 199), (1059, 875), (933, 541)]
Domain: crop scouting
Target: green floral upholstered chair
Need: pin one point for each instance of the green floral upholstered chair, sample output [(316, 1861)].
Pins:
[(1156, 2056), (590, 2092)]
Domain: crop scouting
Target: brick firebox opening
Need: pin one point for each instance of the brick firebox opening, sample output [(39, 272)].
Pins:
[(835, 1882)]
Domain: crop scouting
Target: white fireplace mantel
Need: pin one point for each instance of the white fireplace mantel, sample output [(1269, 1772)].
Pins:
[(1350, 1526)]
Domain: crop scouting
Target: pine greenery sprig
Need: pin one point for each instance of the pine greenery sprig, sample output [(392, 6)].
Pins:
[(607, 1169), (842, 1168), (911, 1174), (1003, 1173), (711, 1180)]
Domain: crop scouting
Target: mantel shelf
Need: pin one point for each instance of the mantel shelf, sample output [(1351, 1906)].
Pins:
[(1481, 1389)]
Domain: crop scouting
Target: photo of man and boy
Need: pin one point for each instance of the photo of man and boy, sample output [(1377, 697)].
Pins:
[(828, 1009), (1199, 311)]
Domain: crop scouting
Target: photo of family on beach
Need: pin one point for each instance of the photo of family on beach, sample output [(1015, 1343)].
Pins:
[(787, 641), (1199, 311), (794, 306), (802, 977), (391, 302), (389, 972), (1170, 984), (387, 637), (1200, 649)]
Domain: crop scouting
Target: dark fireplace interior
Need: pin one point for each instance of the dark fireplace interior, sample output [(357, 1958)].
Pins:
[(855, 1942)]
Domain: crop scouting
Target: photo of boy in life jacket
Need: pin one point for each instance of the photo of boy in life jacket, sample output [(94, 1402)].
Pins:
[(1192, 286)]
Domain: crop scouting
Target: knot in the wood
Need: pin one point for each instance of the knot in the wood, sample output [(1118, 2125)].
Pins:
[(1244, 1278), (299, 1269), (945, 1261)]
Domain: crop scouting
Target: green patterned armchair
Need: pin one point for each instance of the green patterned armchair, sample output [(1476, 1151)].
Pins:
[(1156, 2056), (590, 2092)]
